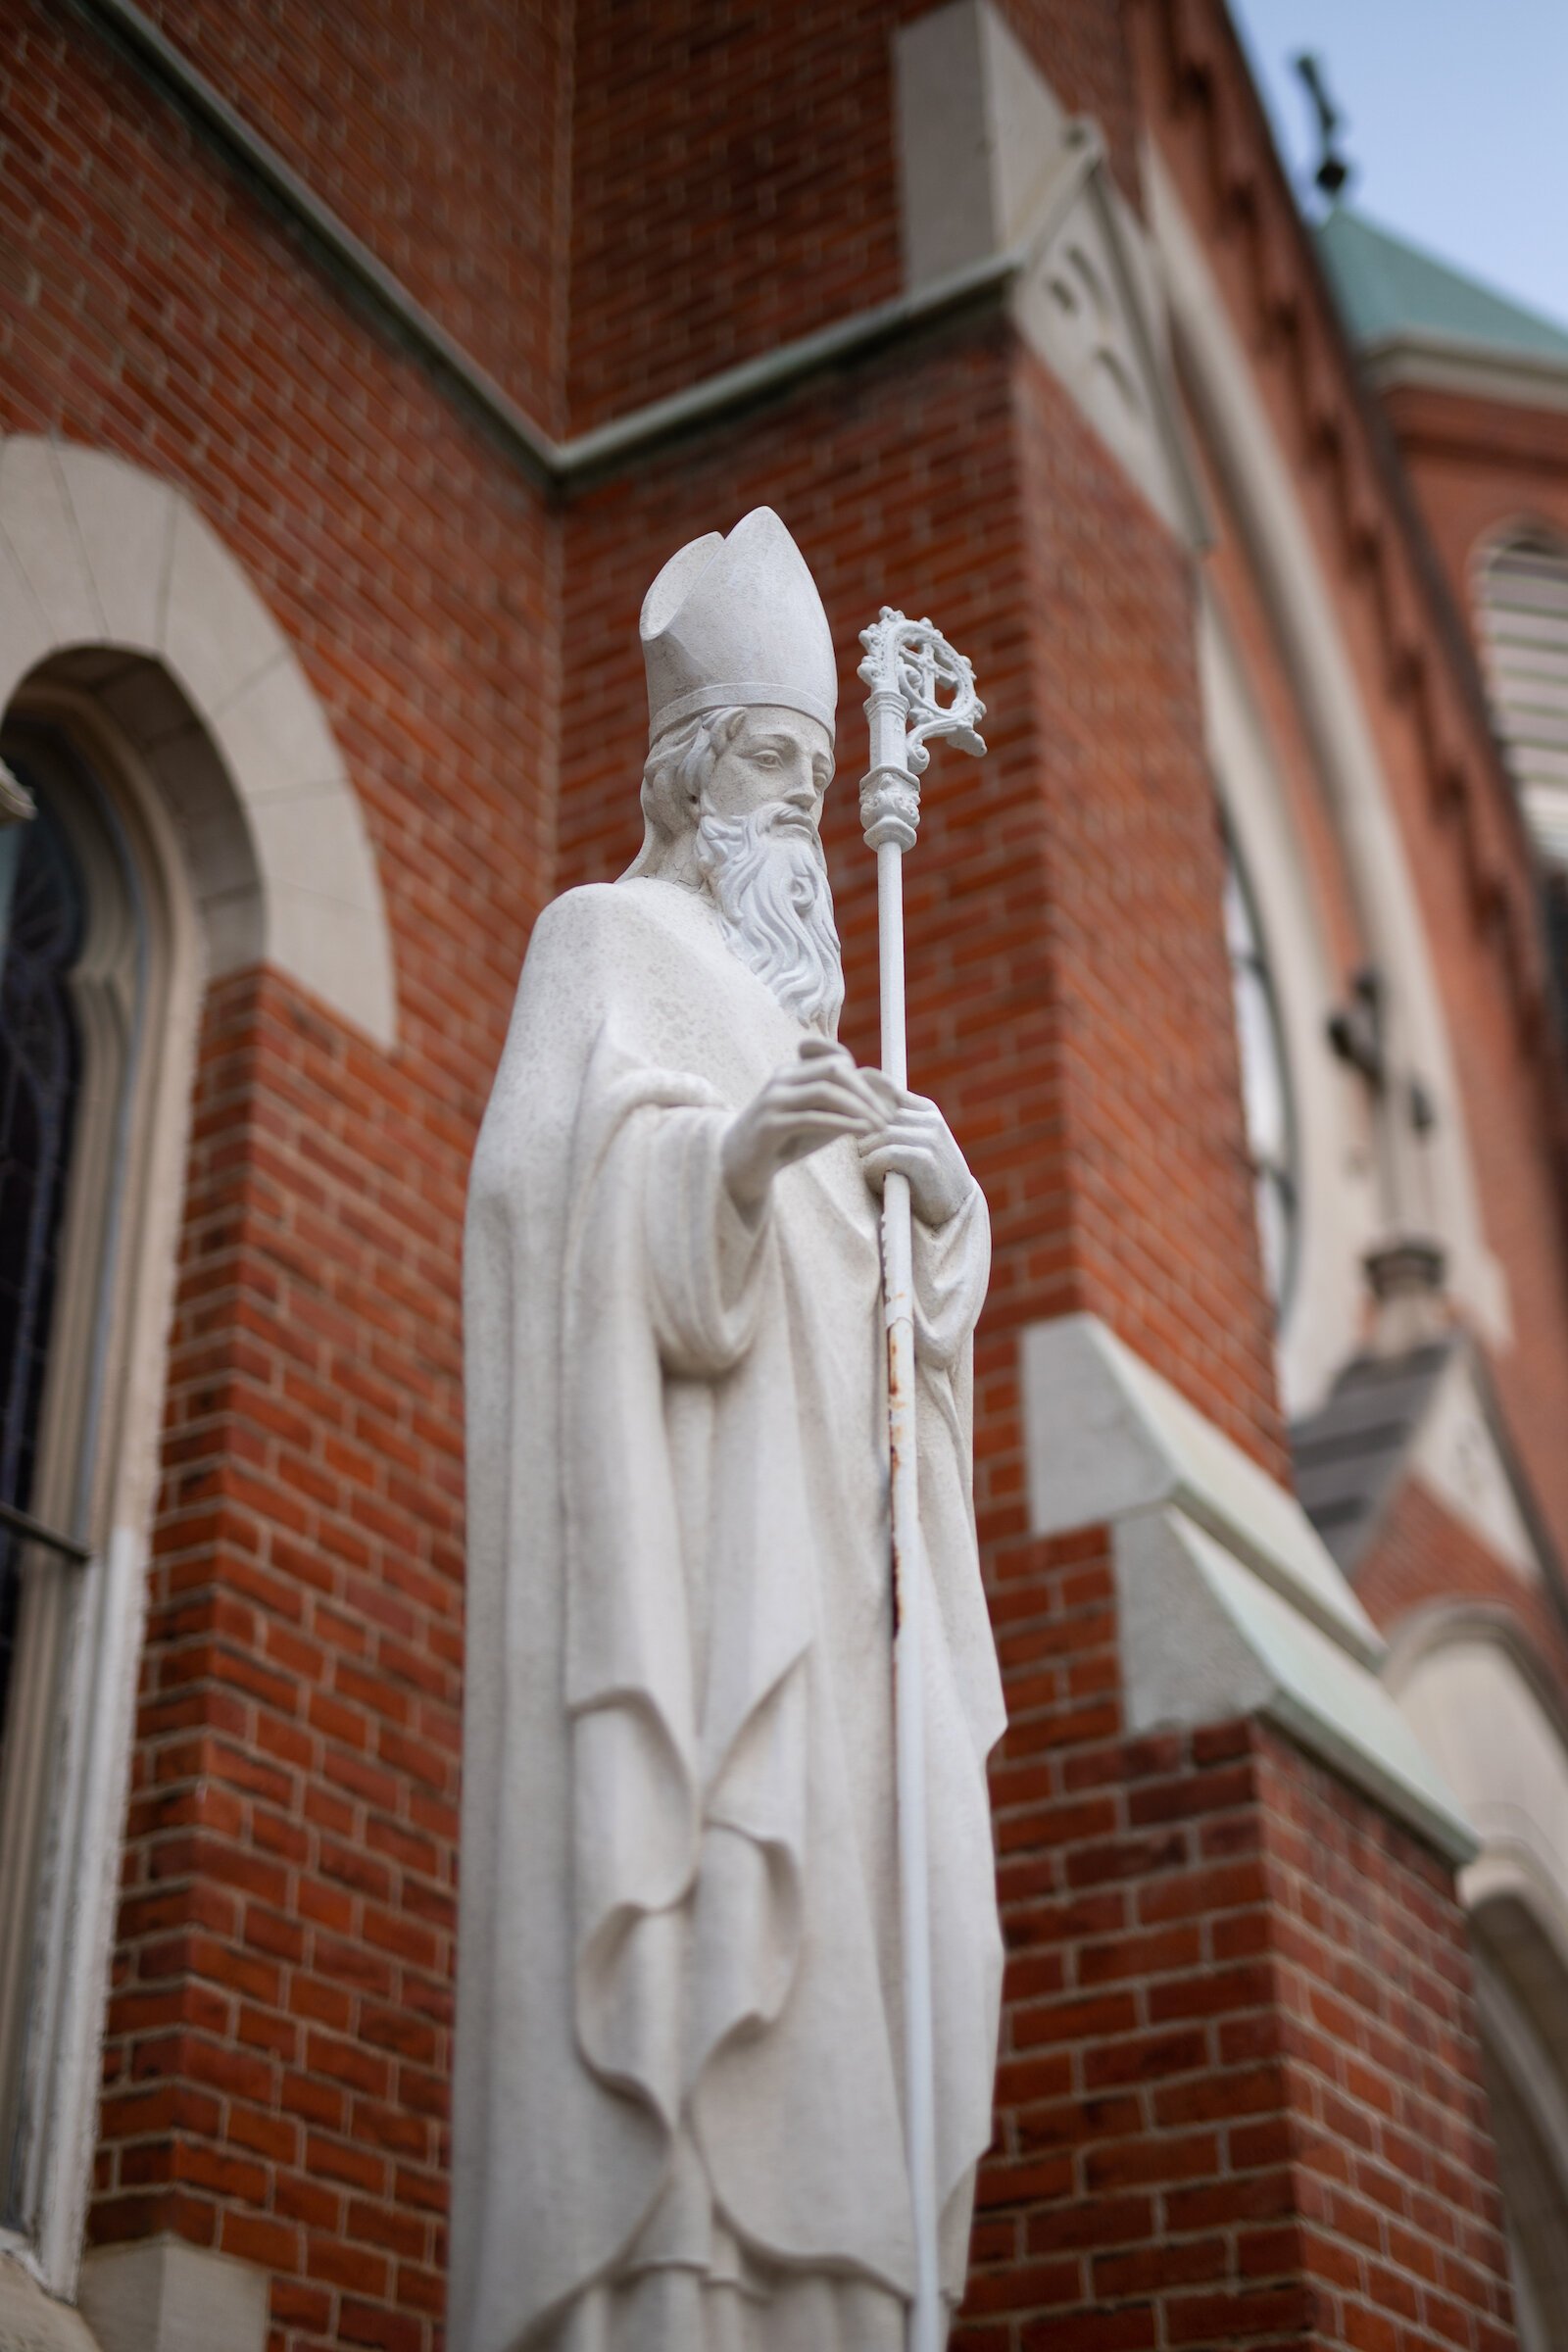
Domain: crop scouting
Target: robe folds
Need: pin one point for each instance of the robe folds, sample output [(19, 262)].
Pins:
[(678, 2088)]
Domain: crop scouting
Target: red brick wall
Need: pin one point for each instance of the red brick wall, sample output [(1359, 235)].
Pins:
[(1151, 1152), (1421, 1558), (1069, 993), (1240, 2098), (1479, 466), (734, 173), (439, 136), (163, 314), (278, 2035), (276, 2071)]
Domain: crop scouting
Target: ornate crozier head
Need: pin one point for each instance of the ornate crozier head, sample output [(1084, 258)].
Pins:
[(742, 693)]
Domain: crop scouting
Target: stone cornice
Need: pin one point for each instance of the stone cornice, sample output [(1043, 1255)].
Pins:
[(1442, 364)]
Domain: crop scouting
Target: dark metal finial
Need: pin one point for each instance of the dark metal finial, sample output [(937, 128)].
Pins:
[(1332, 170)]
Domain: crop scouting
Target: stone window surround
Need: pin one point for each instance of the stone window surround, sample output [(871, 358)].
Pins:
[(124, 617), (97, 554)]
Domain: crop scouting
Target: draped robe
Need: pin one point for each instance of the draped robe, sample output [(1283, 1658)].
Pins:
[(678, 2088)]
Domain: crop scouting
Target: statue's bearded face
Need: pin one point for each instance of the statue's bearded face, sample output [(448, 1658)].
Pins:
[(731, 802), (759, 854), (768, 756)]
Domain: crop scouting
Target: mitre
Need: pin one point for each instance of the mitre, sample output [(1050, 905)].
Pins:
[(737, 622)]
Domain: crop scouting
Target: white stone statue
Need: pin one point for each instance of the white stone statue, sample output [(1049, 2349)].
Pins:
[(678, 2120)]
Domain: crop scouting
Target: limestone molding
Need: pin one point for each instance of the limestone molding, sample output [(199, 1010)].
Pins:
[(990, 163), (167, 2296), (94, 552), (1228, 1602)]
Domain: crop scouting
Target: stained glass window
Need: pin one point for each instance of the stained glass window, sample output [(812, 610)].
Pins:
[(41, 1073), (74, 947)]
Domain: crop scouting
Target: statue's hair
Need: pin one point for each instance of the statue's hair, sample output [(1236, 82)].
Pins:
[(675, 776)]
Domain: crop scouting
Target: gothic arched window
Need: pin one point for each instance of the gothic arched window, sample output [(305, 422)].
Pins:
[(1522, 599), (77, 988), (1265, 1090), (40, 1069)]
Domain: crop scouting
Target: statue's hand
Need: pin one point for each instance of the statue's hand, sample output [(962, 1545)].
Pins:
[(809, 1102), (913, 1139)]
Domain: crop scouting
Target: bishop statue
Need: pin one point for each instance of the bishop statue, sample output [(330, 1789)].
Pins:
[(679, 2099)]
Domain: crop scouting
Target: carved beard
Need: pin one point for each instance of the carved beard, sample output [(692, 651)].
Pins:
[(768, 876)]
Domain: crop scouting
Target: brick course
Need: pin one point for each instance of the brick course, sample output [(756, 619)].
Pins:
[(1479, 468), (278, 2031), (1240, 2098), (439, 136)]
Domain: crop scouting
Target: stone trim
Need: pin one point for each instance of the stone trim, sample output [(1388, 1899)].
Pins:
[(1204, 1637), (168, 2296), (989, 163), (94, 552), (1473, 370), (1108, 1438), (1467, 1680), (1228, 1602)]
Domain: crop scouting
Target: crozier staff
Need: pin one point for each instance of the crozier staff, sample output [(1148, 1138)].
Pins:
[(680, 2074)]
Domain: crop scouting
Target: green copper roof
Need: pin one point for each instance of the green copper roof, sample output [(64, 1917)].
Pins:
[(1387, 288)]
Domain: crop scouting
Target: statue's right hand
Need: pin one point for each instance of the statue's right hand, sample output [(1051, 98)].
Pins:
[(811, 1101)]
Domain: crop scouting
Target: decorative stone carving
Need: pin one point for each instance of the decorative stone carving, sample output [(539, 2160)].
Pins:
[(991, 164), (1227, 1602), (678, 2100)]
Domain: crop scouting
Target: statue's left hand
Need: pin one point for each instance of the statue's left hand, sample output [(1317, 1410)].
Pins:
[(916, 1142)]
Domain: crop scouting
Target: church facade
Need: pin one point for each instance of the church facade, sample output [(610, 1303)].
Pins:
[(360, 369)]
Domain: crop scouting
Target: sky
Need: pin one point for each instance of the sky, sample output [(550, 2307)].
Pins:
[(1454, 115)]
